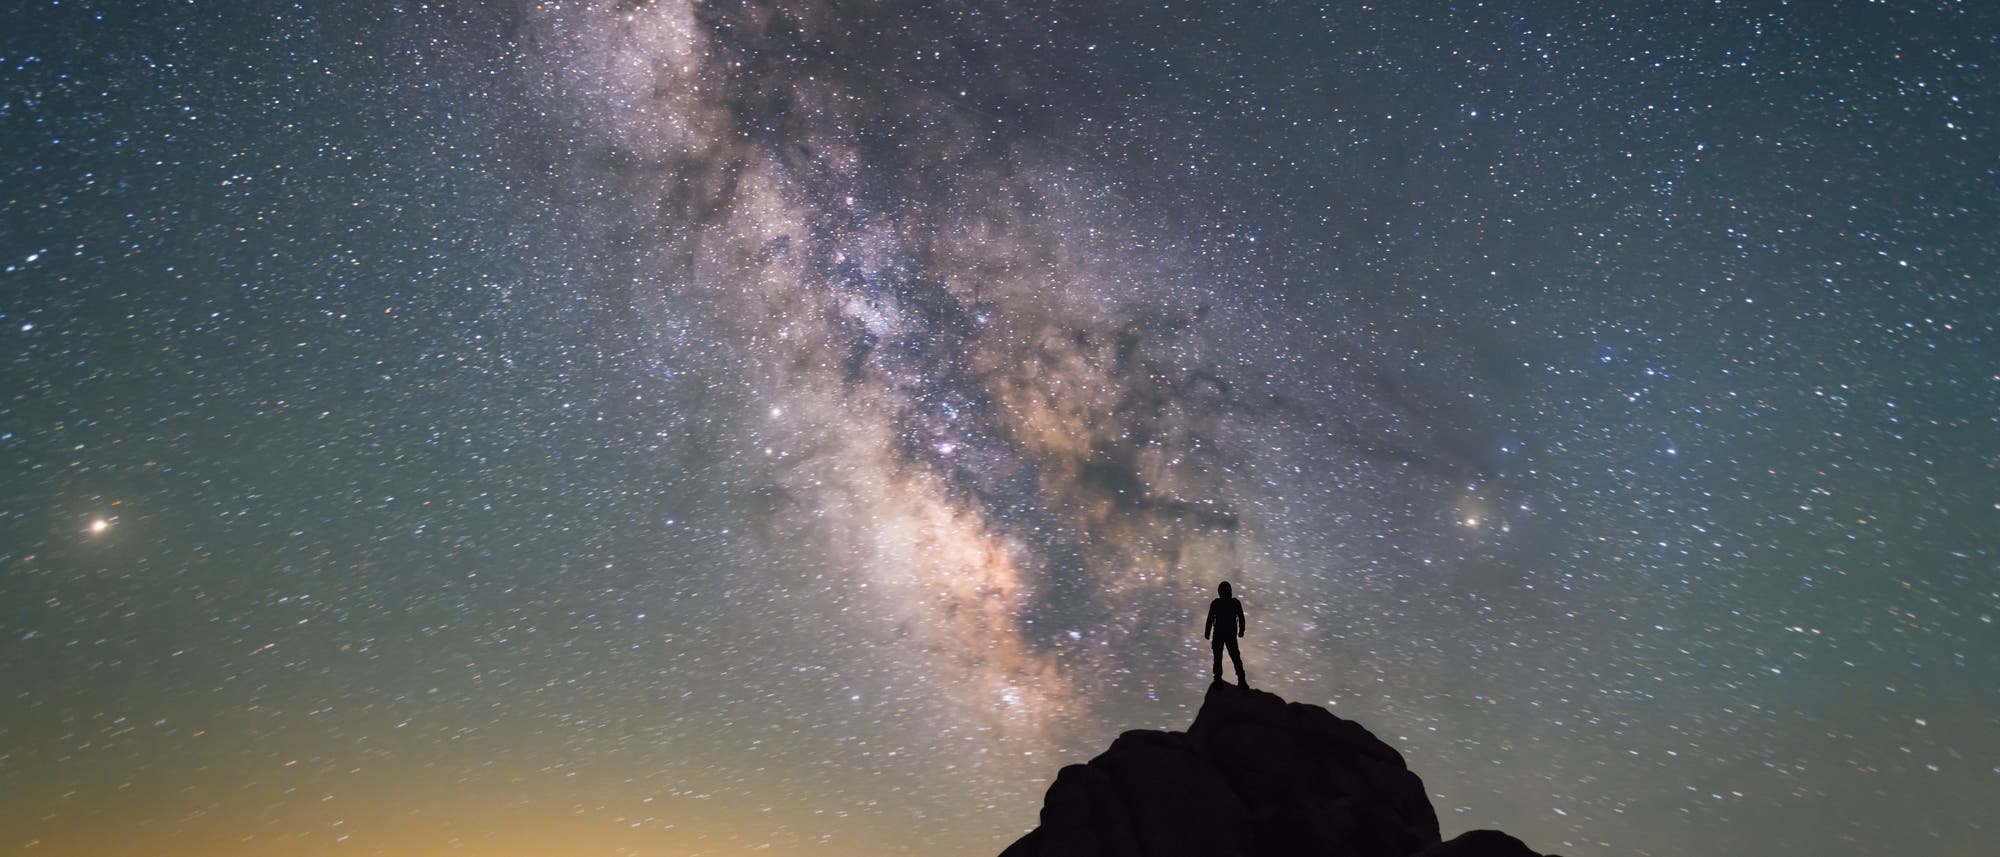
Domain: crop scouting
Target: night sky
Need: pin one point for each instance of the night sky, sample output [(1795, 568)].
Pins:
[(801, 427)]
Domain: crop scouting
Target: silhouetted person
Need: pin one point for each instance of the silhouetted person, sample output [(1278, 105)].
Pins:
[(1225, 620)]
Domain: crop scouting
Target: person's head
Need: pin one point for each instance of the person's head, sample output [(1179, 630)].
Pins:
[(1224, 588)]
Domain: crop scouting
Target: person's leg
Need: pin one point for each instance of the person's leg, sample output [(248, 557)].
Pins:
[(1217, 646), (1235, 658)]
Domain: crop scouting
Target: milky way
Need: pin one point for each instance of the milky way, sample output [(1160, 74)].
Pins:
[(803, 427), (980, 387)]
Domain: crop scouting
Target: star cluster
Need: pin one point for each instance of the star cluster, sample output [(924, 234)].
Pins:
[(674, 427)]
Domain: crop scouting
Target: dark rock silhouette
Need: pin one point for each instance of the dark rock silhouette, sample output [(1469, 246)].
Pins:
[(1254, 776)]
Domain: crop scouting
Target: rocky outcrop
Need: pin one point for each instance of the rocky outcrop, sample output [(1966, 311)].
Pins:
[(1254, 776)]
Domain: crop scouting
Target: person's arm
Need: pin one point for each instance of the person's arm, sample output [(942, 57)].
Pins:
[(1210, 624), (1242, 622)]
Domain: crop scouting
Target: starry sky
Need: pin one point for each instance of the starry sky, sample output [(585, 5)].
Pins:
[(799, 427)]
